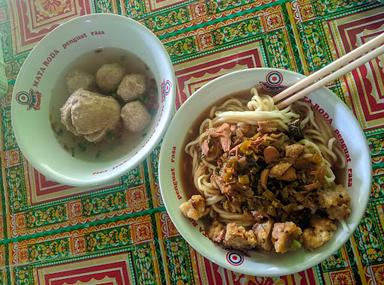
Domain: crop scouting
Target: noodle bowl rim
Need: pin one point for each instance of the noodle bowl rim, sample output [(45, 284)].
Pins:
[(268, 264)]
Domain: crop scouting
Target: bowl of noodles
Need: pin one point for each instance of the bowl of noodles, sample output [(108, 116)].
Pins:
[(92, 100), (259, 190)]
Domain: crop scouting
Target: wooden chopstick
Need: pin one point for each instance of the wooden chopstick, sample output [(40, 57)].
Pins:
[(339, 67), (371, 55)]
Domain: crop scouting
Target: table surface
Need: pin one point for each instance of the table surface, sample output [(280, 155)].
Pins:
[(121, 234)]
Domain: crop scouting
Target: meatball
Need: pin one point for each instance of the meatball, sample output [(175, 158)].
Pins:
[(131, 87), (194, 208), (78, 79), (237, 237), (320, 232), (96, 136), (109, 76), (135, 116), (283, 235), (90, 114)]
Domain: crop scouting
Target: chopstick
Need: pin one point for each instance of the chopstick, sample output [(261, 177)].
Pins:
[(331, 72)]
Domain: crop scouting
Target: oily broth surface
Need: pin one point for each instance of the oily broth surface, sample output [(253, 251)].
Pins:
[(116, 144)]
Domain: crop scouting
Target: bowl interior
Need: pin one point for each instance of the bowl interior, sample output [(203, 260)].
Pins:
[(357, 181), (35, 95)]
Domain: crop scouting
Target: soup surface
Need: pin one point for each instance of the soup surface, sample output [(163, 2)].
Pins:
[(120, 141)]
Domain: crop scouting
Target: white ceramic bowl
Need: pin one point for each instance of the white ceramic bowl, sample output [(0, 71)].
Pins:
[(359, 169), (34, 93)]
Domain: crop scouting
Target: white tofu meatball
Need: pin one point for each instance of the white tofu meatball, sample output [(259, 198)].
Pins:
[(336, 202), (263, 234), (194, 208), (237, 237), (319, 233), (135, 116), (283, 236), (216, 231), (131, 87), (108, 76), (78, 79)]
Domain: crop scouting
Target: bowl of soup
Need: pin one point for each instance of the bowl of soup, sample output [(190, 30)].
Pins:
[(259, 190), (92, 99)]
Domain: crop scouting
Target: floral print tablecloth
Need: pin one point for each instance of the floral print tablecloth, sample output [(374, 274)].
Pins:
[(121, 233)]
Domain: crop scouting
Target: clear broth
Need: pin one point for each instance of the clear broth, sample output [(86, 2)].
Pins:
[(116, 144)]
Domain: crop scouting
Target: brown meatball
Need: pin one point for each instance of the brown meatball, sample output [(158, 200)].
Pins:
[(77, 79), (90, 114), (131, 87), (135, 116), (108, 77)]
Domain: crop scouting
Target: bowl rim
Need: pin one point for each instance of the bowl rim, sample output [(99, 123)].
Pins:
[(216, 259), (164, 120)]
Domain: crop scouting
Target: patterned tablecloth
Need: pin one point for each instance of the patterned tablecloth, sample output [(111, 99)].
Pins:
[(121, 233)]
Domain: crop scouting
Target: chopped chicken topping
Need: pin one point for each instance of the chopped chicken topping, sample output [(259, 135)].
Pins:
[(267, 126), (224, 134), (294, 150), (289, 175), (279, 169)]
